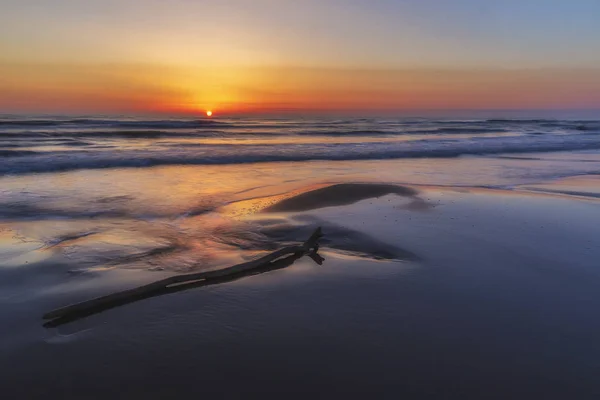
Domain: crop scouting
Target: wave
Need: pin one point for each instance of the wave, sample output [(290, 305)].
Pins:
[(11, 123), (160, 124), (15, 144), (433, 131), (458, 130), (16, 153), (241, 154), (518, 121), (588, 128), (130, 134), (346, 133), (550, 123), (153, 134), (159, 128)]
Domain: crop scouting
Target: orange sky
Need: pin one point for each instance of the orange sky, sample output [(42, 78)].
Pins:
[(150, 88), (238, 56)]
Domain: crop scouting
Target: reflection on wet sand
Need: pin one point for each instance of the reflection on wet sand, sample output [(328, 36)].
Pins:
[(269, 235)]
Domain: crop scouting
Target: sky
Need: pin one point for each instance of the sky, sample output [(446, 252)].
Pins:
[(239, 56)]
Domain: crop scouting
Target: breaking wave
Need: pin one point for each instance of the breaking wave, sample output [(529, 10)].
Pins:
[(241, 154)]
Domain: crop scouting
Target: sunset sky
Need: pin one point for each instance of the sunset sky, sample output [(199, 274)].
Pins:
[(244, 56)]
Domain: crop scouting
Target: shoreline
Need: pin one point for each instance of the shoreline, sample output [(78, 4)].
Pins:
[(424, 291)]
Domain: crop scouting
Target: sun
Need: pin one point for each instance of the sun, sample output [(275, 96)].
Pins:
[(209, 113)]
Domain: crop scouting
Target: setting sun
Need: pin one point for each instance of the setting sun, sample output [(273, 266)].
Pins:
[(209, 113)]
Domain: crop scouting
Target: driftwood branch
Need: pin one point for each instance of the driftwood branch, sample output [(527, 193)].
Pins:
[(276, 260)]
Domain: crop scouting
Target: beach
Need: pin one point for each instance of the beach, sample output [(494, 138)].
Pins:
[(461, 261)]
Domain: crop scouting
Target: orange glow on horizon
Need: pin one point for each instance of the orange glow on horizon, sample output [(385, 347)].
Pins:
[(164, 89)]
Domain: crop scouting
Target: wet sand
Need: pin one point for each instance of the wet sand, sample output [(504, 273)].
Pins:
[(338, 195), (426, 292)]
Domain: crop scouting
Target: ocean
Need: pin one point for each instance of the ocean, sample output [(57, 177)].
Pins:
[(34, 145)]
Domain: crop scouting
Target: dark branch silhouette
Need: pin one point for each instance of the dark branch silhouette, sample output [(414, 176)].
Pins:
[(177, 283)]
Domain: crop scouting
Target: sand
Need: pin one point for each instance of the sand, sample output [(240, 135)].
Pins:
[(426, 292), (338, 195)]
